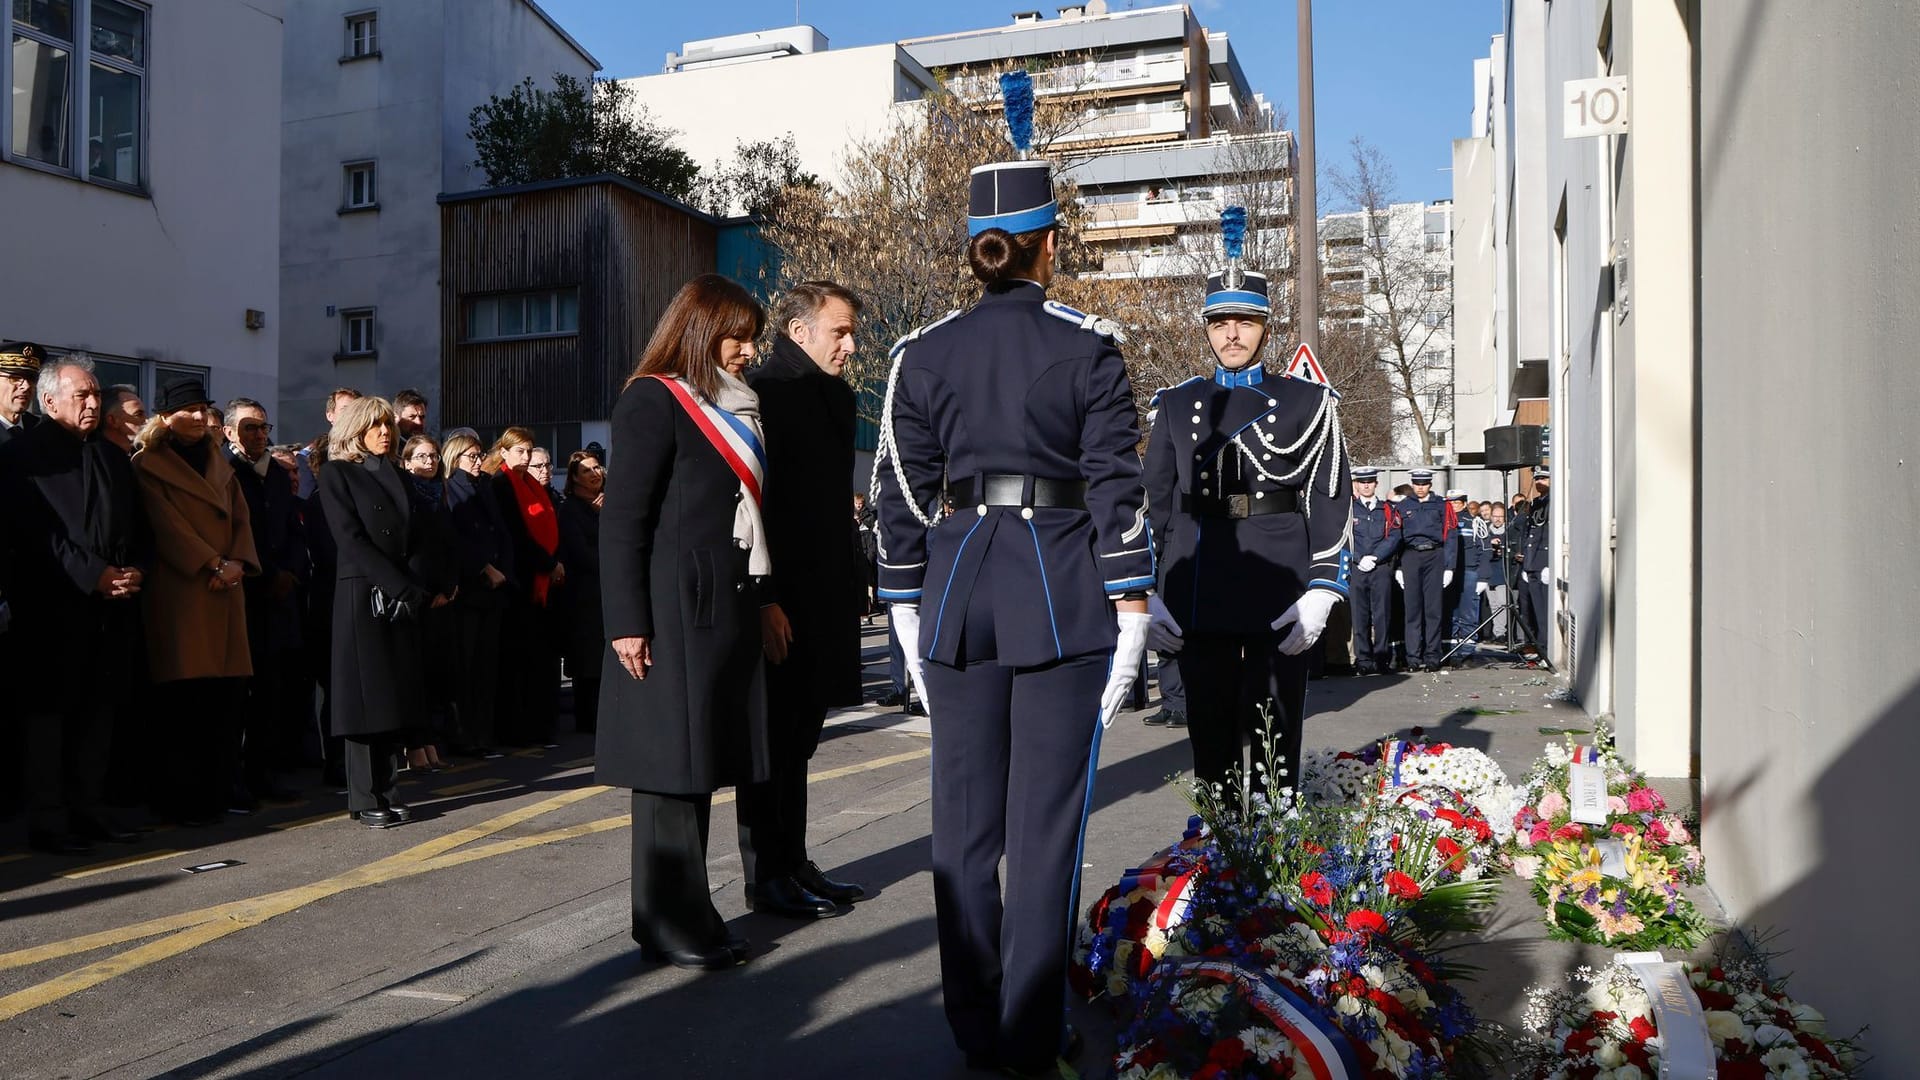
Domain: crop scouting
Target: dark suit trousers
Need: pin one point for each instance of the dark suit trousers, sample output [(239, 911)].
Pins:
[(1228, 678), (1537, 607), (773, 814), (1423, 570), (672, 904), (370, 771), (66, 756), (199, 746), (1012, 755), (1371, 601)]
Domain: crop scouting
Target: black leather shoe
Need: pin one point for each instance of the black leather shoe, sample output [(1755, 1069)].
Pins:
[(819, 884), (1158, 719), (401, 813), (377, 819), (787, 898), (1071, 1047), (914, 708), (891, 701), (59, 844), (715, 958), (97, 829)]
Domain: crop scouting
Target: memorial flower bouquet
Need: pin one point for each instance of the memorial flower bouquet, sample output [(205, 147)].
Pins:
[(1615, 883), (1458, 787), (1604, 1024)]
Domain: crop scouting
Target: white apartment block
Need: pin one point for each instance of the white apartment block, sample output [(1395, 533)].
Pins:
[(139, 194), (826, 99), (1393, 271), (374, 128)]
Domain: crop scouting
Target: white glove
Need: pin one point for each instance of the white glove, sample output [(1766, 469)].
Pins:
[(1546, 575), (1480, 588), (1446, 578), (1399, 579), (1308, 616), (1126, 663), (906, 627), (1163, 634), (1367, 563)]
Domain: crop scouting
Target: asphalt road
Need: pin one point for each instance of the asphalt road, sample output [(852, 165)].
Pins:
[(490, 937)]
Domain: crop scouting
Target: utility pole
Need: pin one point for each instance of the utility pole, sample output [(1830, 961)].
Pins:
[(1306, 213)]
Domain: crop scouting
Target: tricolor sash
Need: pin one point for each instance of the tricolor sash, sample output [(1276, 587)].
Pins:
[(736, 442), (1318, 1043)]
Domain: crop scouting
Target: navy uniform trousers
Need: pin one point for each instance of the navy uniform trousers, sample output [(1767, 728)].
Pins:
[(1228, 678), (1370, 595), (1012, 748), (1423, 570)]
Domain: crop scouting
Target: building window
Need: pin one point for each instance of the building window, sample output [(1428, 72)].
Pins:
[(358, 188), (518, 315), (356, 332), (66, 53), (363, 35)]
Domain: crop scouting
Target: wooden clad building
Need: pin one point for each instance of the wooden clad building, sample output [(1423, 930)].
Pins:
[(549, 292)]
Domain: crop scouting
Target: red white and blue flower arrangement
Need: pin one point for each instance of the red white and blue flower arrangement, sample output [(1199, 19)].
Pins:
[(1281, 938), (1617, 883)]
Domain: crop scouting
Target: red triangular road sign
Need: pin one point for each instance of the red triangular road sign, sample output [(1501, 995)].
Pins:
[(1306, 366)]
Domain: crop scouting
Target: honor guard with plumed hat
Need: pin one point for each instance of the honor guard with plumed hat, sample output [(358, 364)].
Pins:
[(1023, 612), (1247, 491)]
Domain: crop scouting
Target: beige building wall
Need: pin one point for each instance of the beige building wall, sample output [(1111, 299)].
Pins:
[(1477, 377), (1809, 292)]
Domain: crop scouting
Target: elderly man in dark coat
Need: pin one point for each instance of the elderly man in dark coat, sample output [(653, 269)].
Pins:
[(79, 539), (811, 613)]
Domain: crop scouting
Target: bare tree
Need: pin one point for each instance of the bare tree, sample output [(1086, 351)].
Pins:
[(1382, 257)]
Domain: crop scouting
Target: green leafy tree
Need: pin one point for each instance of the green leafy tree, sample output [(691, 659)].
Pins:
[(578, 128), (755, 180)]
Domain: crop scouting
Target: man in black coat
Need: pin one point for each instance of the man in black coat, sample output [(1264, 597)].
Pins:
[(810, 611), (78, 539), (273, 616)]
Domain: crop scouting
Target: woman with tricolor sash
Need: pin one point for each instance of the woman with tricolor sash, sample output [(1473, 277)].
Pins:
[(683, 701)]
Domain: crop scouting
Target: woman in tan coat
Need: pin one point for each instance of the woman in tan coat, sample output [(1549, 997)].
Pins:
[(195, 611)]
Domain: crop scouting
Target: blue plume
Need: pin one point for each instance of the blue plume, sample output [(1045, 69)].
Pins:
[(1016, 89), (1233, 229)]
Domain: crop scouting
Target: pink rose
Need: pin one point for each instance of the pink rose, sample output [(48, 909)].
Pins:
[(1657, 830), (1677, 831), (1552, 804), (1616, 805), (1621, 828), (1540, 833), (1643, 799), (1527, 866)]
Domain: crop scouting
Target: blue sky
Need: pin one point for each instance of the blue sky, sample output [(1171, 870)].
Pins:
[(1396, 71)]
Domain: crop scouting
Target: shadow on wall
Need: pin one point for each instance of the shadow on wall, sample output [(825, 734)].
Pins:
[(1849, 921)]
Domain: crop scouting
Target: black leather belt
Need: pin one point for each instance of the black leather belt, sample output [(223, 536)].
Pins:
[(1283, 501), (1423, 545), (1011, 489)]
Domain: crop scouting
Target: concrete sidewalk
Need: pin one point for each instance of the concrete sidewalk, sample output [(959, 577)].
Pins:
[(564, 993)]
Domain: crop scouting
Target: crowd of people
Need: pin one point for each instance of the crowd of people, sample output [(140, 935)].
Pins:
[(190, 611)]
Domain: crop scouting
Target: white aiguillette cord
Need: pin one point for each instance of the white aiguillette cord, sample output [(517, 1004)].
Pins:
[(1688, 1053)]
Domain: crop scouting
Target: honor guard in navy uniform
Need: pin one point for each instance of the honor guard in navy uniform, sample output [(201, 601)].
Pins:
[(1536, 558), (1427, 562), (1376, 537), (1247, 488), (1023, 612)]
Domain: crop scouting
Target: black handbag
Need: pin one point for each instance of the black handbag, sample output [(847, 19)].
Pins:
[(391, 608)]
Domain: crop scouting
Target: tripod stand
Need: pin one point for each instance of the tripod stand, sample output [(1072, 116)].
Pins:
[(1510, 607)]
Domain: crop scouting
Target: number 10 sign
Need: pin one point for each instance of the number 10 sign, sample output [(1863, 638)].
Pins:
[(1596, 107)]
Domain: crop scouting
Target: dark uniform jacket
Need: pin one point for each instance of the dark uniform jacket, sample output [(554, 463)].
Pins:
[(819, 575), (671, 571), (1375, 532), (1539, 534), (73, 509), (1426, 523), (1015, 386), (379, 666), (1472, 549), (279, 539), (584, 636), (1276, 439)]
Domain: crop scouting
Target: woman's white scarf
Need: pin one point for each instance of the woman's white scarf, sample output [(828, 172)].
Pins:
[(738, 400)]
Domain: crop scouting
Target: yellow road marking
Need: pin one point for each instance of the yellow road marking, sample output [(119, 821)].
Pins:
[(15, 857), (576, 762), (531, 751), (481, 764), (472, 786), (115, 864), (301, 823), (192, 929)]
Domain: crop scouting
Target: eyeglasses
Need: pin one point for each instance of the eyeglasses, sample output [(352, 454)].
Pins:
[(544, 466), (254, 427), (471, 455)]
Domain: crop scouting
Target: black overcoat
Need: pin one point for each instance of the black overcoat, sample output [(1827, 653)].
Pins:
[(73, 509), (582, 631), (279, 539), (379, 681), (671, 571), (818, 571)]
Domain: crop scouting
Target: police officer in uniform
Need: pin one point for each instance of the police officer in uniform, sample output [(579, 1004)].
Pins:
[(1427, 562), (1011, 608), (1536, 562), (1375, 539), (1248, 490)]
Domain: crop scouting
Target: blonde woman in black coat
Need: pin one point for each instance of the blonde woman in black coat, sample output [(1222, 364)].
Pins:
[(378, 660), (683, 702)]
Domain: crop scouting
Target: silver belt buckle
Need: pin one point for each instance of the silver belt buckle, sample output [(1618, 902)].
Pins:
[(1237, 506)]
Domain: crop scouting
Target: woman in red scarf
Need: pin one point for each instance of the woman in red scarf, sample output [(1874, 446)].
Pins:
[(530, 677)]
